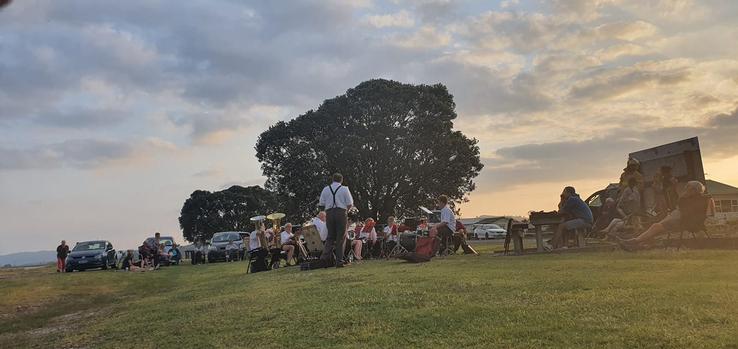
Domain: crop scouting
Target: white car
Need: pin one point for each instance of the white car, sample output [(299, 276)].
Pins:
[(489, 231)]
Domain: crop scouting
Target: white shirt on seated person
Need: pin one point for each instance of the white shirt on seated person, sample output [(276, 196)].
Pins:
[(285, 237), (368, 235), (388, 234), (321, 227), (447, 216), (254, 242)]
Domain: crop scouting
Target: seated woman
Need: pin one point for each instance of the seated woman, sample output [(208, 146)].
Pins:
[(692, 209), (231, 251), (288, 242), (367, 236), (610, 219), (391, 235), (630, 198)]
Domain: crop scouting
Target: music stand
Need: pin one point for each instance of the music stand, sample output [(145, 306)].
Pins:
[(398, 250)]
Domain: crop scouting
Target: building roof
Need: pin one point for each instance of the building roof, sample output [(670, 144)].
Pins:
[(717, 188)]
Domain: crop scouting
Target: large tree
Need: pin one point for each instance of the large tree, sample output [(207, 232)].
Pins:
[(205, 213), (393, 142)]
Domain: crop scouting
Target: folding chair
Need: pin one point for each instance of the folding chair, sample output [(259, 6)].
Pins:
[(691, 225)]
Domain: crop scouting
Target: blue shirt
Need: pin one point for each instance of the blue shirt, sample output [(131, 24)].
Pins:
[(576, 207)]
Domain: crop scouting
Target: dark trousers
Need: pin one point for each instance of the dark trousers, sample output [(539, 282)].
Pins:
[(444, 233), (335, 221), (157, 258)]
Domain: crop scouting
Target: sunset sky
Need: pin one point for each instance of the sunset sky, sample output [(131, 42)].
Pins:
[(113, 112)]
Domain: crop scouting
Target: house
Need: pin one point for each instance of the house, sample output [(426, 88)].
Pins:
[(726, 200)]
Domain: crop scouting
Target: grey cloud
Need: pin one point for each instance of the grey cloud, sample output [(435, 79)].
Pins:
[(437, 11), (84, 153), (237, 53), (478, 91), (83, 118), (611, 86)]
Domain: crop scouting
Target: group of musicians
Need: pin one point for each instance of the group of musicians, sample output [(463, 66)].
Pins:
[(332, 225)]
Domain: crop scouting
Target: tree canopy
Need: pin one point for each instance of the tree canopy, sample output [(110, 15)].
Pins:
[(205, 213), (393, 142)]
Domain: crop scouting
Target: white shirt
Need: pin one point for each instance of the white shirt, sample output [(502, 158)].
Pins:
[(368, 235), (285, 237), (388, 234), (254, 242), (322, 228), (447, 216), (343, 197)]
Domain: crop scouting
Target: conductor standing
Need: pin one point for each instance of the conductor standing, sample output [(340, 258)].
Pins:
[(336, 199)]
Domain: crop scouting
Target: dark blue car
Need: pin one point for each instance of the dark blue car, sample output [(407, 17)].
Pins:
[(91, 255)]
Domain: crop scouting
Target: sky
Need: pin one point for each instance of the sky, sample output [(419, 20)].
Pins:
[(113, 112)]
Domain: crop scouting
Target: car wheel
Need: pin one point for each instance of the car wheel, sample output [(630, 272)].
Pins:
[(105, 265), (486, 236)]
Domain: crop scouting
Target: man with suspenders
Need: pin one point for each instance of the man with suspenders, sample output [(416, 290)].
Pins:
[(337, 200)]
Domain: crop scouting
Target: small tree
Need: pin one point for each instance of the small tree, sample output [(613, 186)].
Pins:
[(205, 213)]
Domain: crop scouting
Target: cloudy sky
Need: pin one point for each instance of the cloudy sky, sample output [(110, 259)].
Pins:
[(112, 112)]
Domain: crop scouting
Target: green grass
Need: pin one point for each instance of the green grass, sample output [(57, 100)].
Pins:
[(664, 299)]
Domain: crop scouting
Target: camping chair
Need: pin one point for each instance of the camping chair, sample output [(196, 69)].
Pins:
[(690, 225), (448, 242), (253, 258)]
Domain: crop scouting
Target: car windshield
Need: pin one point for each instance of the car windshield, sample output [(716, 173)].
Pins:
[(90, 246), (166, 241), (226, 237)]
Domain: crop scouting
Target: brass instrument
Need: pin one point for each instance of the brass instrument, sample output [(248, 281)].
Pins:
[(276, 218), (259, 228)]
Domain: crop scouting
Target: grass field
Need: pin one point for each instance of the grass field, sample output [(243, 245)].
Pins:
[(664, 299)]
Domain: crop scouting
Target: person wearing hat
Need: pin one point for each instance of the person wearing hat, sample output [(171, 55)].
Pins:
[(632, 170)]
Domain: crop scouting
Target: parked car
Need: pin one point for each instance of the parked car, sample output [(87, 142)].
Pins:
[(91, 254), (489, 231), (217, 250)]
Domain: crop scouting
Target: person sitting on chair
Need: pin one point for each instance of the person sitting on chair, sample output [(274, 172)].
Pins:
[(447, 226), (288, 242), (231, 251), (460, 240), (256, 250), (175, 255), (391, 235), (665, 185), (693, 207), (368, 235), (319, 223), (630, 198), (575, 215)]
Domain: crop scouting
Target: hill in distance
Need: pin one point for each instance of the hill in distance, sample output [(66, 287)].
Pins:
[(28, 258)]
